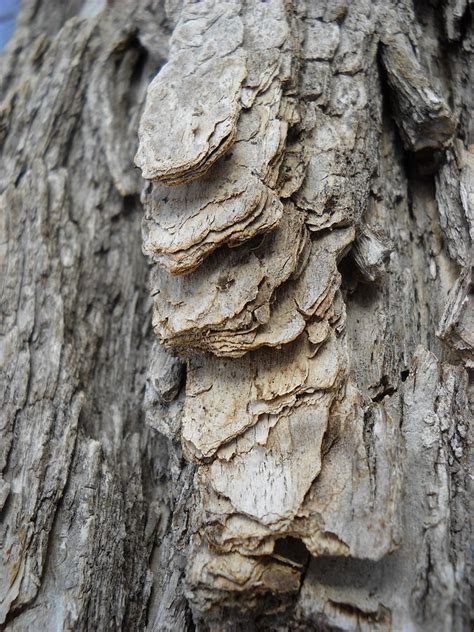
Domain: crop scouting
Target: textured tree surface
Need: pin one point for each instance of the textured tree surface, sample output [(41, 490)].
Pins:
[(264, 423)]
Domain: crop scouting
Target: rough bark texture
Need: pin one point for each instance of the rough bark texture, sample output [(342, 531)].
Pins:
[(278, 438)]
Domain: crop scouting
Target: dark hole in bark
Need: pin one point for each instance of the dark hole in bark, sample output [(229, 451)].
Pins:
[(291, 550), (131, 203), (386, 389)]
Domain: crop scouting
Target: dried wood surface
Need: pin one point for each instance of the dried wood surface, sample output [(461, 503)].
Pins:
[(267, 428)]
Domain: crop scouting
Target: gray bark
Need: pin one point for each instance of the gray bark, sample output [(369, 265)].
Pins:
[(265, 426)]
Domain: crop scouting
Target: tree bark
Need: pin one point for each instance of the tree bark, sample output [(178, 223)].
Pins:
[(265, 426)]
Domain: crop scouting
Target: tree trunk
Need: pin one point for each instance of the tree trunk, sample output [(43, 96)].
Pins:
[(278, 437)]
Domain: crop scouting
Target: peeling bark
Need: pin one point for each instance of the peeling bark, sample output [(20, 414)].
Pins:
[(277, 439)]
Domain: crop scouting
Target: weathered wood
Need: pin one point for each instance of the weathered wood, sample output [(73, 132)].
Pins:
[(294, 454), (77, 460)]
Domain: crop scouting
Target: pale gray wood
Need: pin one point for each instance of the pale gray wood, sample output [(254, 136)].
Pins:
[(268, 427)]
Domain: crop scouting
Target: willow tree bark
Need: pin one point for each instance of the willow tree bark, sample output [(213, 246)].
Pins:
[(284, 445)]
